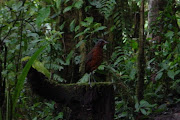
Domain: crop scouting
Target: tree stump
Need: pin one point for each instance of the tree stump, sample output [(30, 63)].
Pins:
[(84, 101)]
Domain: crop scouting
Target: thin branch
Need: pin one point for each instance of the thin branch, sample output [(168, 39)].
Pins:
[(17, 18)]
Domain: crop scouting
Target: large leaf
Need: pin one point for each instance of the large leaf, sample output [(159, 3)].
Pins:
[(159, 75), (68, 59), (78, 4), (21, 79), (39, 66), (43, 14), (58, 2), (100, 28), (89, 19), (85, 78), (169, 34), (72, 25), (144, 103), (143, 111), (171, 74), (67, 9)]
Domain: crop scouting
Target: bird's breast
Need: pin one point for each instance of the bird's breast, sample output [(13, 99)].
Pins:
[(95, 58)]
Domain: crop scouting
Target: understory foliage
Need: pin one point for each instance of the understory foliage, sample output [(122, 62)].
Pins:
[(28, 25)]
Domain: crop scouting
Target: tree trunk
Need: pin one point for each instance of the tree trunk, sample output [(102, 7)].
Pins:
[(153, 7), (85, 102), (82, 48), (2, 82), (141, 59)]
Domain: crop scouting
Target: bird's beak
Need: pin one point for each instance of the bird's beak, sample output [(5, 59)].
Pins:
[(105, 42)]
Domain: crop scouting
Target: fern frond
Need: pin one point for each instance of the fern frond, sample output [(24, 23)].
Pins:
[(105, 7)]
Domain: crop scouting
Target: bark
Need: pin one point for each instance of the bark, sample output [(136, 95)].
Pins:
[(70, 72), (141, 58), (153, 7), (1, 80), (82, 48)]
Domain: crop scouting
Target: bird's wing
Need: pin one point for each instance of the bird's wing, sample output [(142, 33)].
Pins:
[(89, 56), (88, 61)]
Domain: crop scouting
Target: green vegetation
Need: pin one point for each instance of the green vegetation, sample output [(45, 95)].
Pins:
[(142, 58)]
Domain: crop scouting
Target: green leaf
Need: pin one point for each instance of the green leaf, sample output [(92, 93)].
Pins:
[(144, 103), (159, 75), (66, 1), (143, 111), (72, 25), (137, 107), (132, 73), (165, 65), (177, 72), (62, 26), (158, 89), (80, 43), (77, 28), (100, 28), (60, 116), (89, 19), (79, 34), (35, 118), (101, 67), (171, 74), (169, 34), (85, 78), (85, 24), (42, 15), (78, 4), (39, 66), (58, 2), (134, 44), (17, 6), (68, 59), (21, 79), (86, 30), (67, 9)]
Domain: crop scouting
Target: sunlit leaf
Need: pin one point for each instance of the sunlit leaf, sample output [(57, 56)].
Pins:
[(39, 66)]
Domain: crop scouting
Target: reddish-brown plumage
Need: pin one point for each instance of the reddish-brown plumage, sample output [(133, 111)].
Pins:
[(95, 57)]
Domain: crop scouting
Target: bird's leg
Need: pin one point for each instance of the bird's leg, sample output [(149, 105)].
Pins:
[(89, 78), (93, 76)]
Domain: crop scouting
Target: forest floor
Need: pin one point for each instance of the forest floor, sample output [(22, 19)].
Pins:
[(173, 113)]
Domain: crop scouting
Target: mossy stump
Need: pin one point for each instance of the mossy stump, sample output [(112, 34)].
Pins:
[(86, 102)]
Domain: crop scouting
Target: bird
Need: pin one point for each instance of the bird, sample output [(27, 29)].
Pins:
[(95, 57)]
